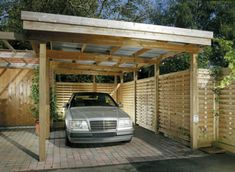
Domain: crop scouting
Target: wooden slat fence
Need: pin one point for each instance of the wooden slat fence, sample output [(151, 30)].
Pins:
[(227, 116), (145, 103), (174, 105), (15, 97), (64, 91), (206, 130), (126, 97)]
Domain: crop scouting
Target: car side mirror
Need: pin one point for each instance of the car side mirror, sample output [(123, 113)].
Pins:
[(66, 105), (120, 105)]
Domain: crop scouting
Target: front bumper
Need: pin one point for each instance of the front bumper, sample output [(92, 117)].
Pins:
[(99, 137)]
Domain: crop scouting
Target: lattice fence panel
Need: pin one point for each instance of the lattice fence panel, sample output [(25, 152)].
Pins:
[(145, 103), (106, 88), (174, 105), (206, 104), (126, 97)]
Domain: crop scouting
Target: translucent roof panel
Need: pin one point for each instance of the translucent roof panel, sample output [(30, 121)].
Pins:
[(85, 62), (97, 48), (127, 51), (153, 53)]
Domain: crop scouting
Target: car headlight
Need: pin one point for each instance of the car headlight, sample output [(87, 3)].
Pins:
[(124, 124), (79, 125)]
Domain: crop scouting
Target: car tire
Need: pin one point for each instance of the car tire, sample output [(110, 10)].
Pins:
[(67, 142), (127, 141)]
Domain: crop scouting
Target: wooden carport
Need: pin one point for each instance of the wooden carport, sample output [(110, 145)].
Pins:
[(79, 45)]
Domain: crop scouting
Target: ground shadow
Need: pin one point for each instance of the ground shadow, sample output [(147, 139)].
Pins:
[(19, 146), (59, 139)]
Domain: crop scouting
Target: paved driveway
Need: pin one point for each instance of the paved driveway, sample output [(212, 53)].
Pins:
[(19, 151)]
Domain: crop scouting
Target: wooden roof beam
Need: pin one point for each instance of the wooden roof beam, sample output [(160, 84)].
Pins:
[(110, 41), (74, 24), (90, 67), (17, 54), (84, 72), (11, 36)]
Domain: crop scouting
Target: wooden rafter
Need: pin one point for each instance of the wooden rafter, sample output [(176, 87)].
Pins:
[(8, 45), (141, 51), (16, 54), (5, 60), (83, 48), (35, 47), (114, 49), (18, 65)]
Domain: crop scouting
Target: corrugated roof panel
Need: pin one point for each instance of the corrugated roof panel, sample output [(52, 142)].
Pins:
[(127, 65), (107, 63), (62, 60), (66, 46)]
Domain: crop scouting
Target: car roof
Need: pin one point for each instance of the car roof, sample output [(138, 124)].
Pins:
[(90, 93)]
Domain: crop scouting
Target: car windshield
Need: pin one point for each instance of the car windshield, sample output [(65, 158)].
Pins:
[(92, 99)]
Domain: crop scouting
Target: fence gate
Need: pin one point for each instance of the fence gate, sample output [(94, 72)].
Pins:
[(174, 105)]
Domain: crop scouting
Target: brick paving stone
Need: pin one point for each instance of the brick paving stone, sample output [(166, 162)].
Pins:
[(19, 151)]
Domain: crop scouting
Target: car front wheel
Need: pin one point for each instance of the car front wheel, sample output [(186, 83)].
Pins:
[(67, 142)]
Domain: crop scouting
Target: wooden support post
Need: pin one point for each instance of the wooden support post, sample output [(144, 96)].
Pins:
[(120, 98), (115, 85), (53, 88), (135, 75), (194, 107), (94, 83), (42, 102), (47, 98), (156, 79)]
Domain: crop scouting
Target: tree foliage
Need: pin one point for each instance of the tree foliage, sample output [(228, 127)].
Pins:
[(216, 16)]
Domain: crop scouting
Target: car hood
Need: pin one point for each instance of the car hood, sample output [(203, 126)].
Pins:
[(97, 112)]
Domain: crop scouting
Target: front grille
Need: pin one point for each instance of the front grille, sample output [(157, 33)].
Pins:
[(103, 125)]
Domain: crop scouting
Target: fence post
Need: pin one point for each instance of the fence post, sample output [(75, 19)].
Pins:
[(194, 102), (156, 78), (135, 75)]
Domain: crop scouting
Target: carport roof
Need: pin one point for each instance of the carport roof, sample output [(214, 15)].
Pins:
[(90, 44)]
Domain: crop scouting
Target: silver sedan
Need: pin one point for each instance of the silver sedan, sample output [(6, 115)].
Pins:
[(92, 117)]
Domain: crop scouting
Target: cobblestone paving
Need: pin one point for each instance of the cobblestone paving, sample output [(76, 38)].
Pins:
[(19, 151)]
